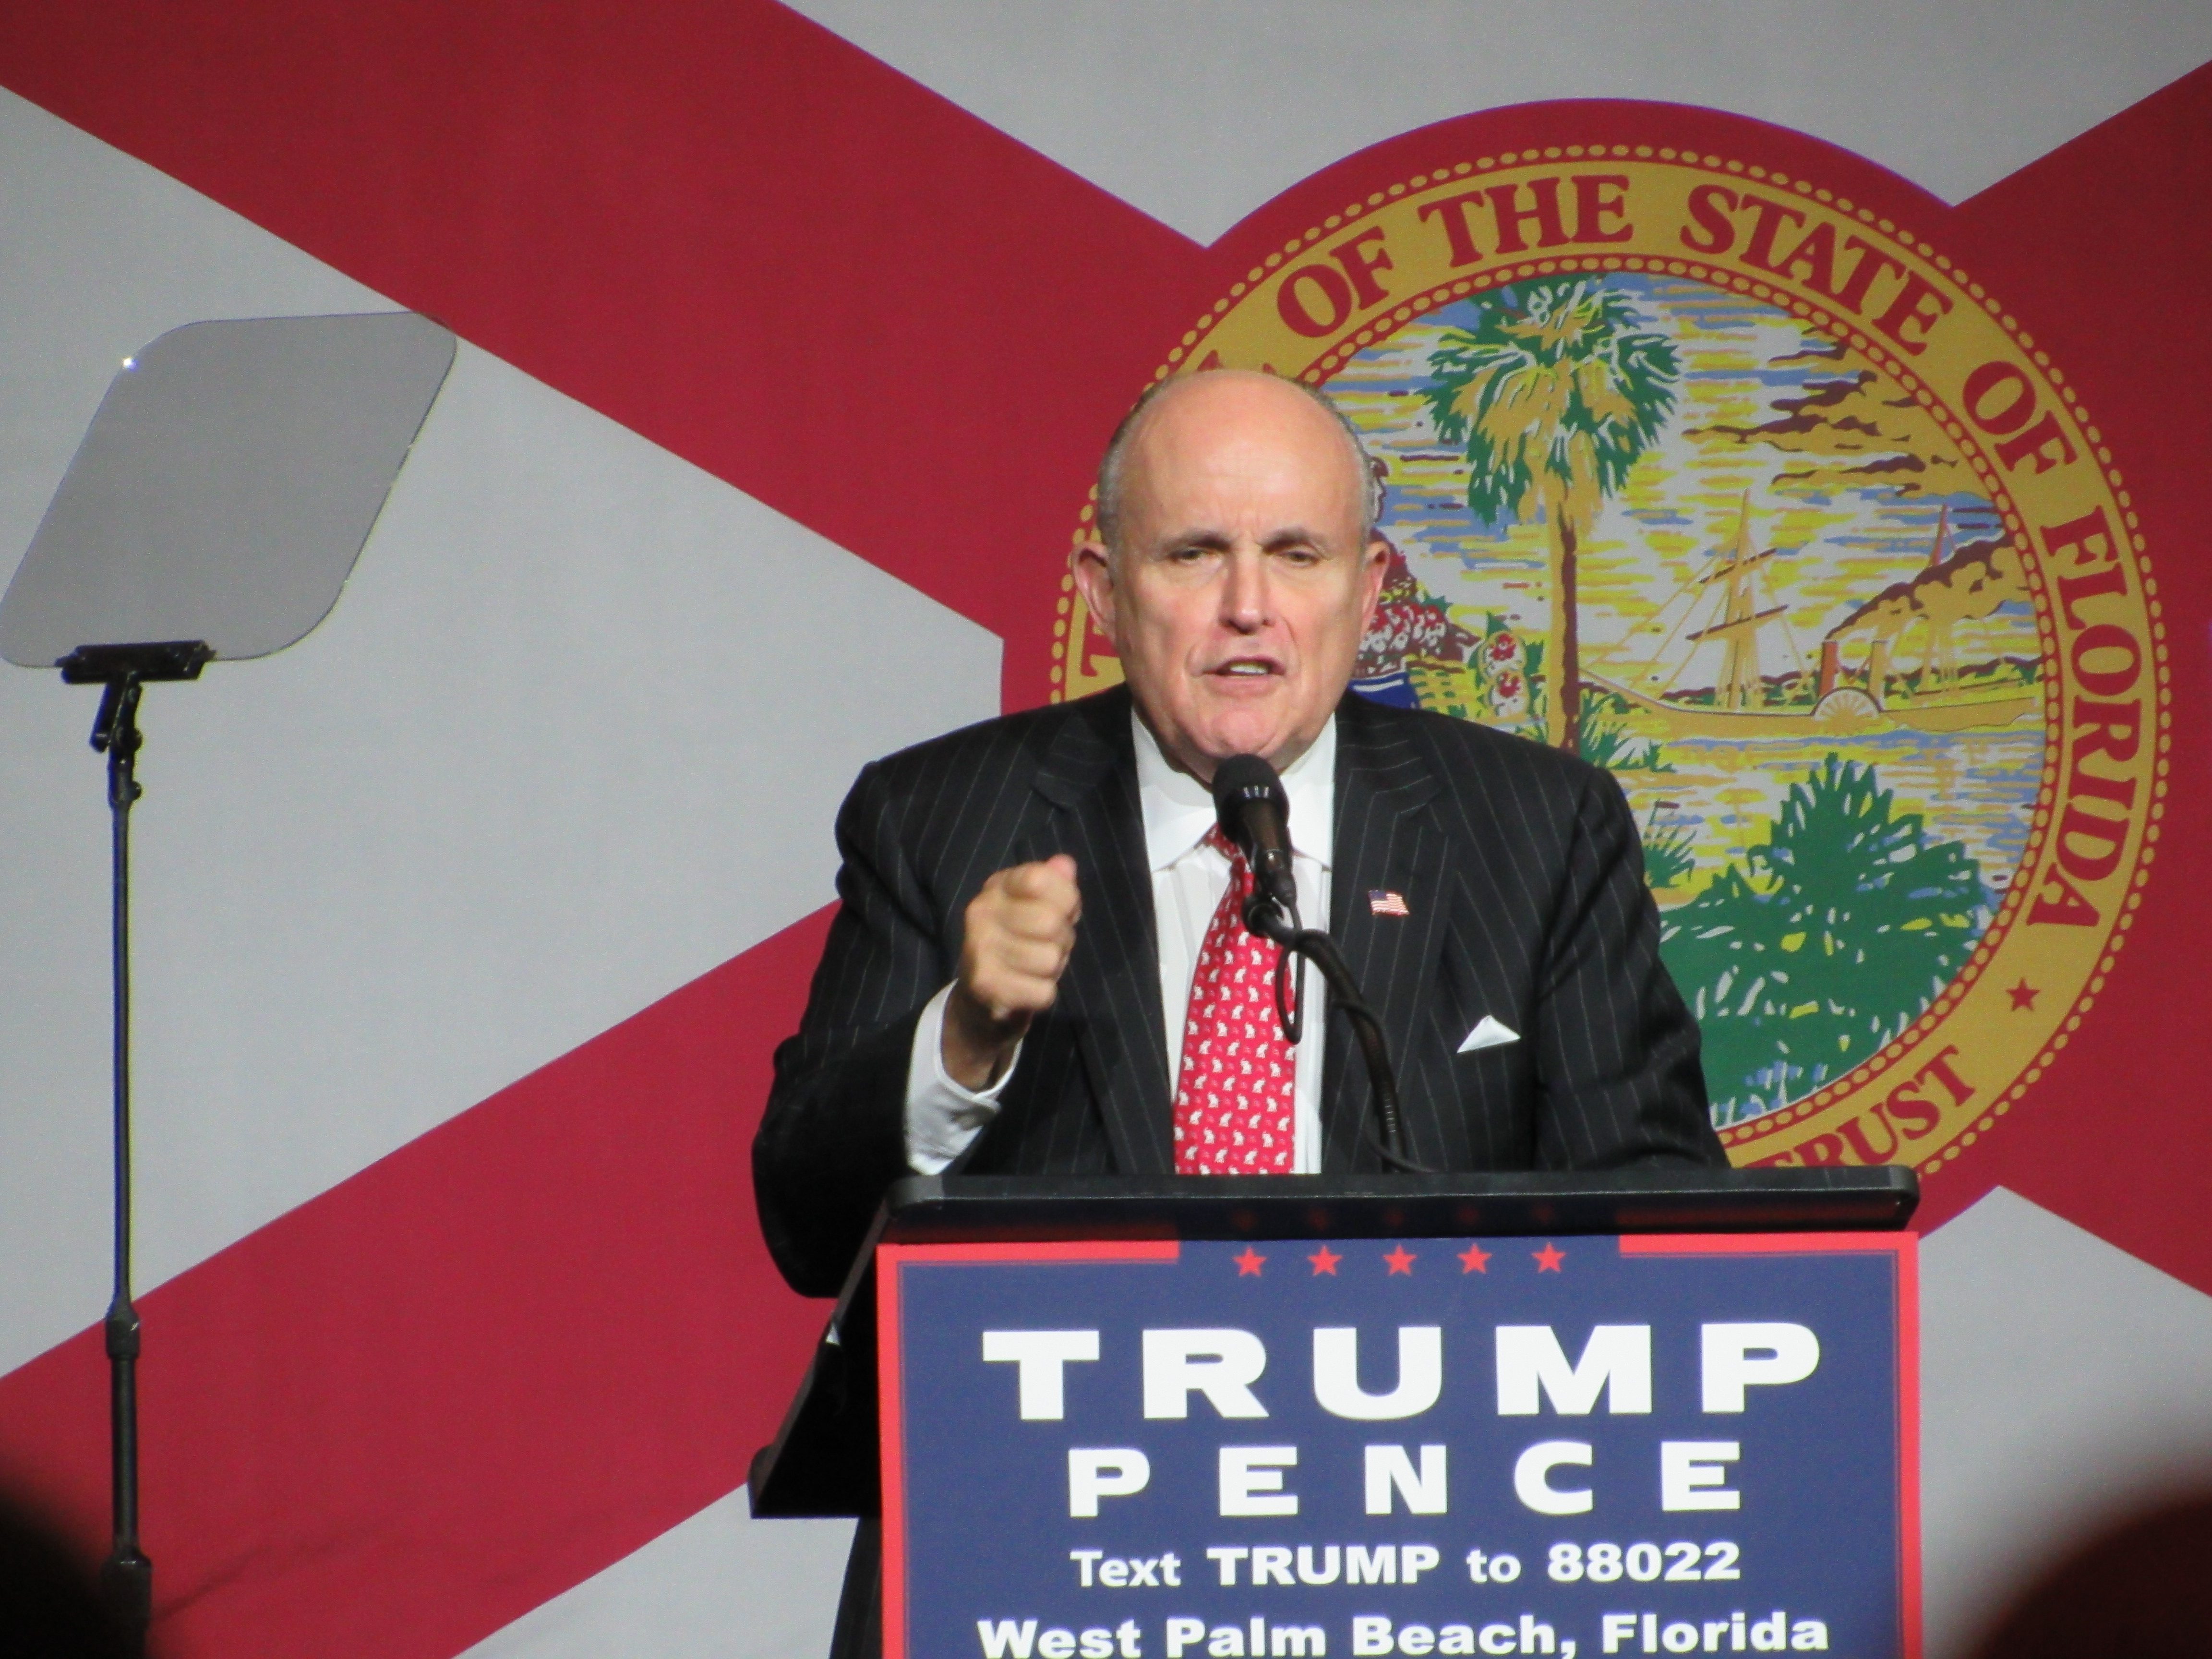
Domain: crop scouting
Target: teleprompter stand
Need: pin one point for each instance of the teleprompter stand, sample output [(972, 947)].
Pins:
[(127, 1576), (214, 510)]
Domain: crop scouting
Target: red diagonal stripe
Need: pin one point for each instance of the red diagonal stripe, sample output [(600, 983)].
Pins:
[(485, 1367), (708, 219), (2100, 248)]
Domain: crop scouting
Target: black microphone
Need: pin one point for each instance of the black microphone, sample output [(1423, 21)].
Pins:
[(1255, 814)]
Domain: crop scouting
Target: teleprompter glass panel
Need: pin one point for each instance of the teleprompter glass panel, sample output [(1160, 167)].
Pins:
[(226, 485)]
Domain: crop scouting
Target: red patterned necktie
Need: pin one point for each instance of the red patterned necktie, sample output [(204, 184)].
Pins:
[(1234, 1102)]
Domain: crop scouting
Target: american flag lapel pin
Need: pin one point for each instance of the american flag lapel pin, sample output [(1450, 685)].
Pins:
[(1382, 903)]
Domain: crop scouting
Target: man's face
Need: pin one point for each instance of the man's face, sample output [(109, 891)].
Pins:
[(1240, 589)]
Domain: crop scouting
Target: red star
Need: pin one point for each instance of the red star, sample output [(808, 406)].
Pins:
[(1401, 1260), (1548, 1258), (2023, 995), (1474, 1259), (1247, 1265), (1324, 1260)]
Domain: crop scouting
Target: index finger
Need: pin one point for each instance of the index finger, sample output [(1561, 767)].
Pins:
[(1050, 880)]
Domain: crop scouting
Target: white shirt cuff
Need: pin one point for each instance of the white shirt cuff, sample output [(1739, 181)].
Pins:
[(941, 1117)]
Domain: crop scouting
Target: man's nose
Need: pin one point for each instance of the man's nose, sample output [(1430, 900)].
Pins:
[(1244, 591)]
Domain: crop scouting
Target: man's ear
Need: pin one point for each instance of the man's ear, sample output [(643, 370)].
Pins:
[(1093, 568), (1377, 569)]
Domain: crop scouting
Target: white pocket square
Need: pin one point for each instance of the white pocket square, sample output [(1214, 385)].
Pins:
[(1488, 1034)]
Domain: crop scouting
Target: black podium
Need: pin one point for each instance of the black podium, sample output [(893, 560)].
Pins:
[(1640, 1411)]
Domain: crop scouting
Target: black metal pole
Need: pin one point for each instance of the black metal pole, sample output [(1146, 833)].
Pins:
[(122, 671), (127, 1576)]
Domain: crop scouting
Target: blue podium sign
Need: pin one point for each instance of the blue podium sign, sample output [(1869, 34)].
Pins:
[(1572, 1447)]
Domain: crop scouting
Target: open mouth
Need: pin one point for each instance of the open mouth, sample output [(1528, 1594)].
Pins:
[(1246, 668)]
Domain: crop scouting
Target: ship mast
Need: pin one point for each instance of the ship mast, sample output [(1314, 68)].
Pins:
[(1740, 686), (1940, 667)]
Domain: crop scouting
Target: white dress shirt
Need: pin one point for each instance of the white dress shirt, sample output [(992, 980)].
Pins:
[(1189, 879)]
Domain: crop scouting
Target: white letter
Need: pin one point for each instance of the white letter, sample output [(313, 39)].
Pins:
[(1690, 1474), (1371, 1635), (1388, 1466), (1248, 1472), (1181, 1632), (1414, 1560), (1616, 1358), (1376, 1567), (1420, 1374), (1040, 1354), (1220, 1364), (1539, 1460), (1786, 1353), (1618, 1627), (1092, 1475)]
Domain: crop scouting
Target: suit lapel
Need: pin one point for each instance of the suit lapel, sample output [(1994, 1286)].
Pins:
[(1385, 843), (1110, 990)]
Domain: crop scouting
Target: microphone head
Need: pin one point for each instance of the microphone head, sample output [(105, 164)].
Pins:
[(1244, 778)]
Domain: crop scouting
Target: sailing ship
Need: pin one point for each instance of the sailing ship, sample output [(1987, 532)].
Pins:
[(1733, 605)]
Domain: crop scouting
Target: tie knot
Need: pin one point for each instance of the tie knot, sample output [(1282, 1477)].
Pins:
[(1241, 881)]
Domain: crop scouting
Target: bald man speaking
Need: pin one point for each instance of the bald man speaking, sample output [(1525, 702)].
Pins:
[(1039, 964)]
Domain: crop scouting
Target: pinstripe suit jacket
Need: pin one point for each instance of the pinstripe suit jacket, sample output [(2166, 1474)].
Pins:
[(1519, 867)]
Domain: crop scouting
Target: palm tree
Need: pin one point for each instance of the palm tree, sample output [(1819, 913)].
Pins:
[(1554, 393)]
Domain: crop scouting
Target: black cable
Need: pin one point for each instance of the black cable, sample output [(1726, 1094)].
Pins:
[(1290, 1008)]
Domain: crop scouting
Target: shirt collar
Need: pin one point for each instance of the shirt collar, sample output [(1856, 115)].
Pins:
[(1179, 809)]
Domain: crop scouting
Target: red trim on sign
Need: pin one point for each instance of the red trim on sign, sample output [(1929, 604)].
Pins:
[(1040, 1251), (890, 1406), (1908, 1434), (1761, 1244)]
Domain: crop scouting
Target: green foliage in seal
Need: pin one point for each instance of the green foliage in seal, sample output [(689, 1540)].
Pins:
[(1605, 740), (1554, 393), (1670, 854), (1826, 941)]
